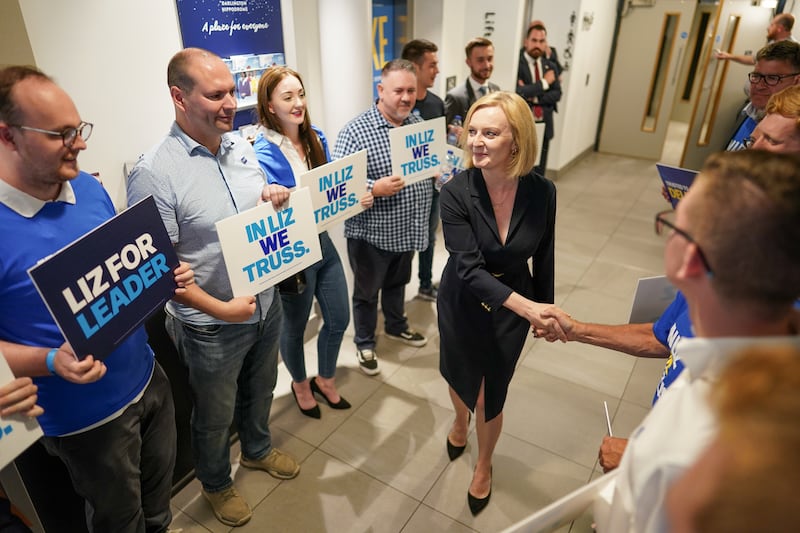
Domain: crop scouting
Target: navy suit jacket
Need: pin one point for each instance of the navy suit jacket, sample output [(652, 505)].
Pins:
[(530, 89), (460, 98)]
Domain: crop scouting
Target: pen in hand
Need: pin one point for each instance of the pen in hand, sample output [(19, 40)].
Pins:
[(608, 419)]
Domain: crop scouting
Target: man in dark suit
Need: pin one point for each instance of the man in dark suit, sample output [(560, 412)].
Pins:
[(537, 82), (480, 60)]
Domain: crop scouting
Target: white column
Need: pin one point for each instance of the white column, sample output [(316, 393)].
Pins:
[(346, 57)]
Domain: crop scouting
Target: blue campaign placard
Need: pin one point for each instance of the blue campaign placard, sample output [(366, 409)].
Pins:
[(104, 285), (676, 181), (231, 27)]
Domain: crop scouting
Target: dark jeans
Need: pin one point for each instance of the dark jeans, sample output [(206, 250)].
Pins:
[(123, 469), (374, 271), (233, 369), (325, 280), (426, 256)]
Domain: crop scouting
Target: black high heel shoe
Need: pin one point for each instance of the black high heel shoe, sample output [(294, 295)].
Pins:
[(314, 412), (341, 404), (476, 505), (453, 451)]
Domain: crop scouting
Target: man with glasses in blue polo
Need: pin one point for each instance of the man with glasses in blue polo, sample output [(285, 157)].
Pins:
[(110, 422), (777, 67)]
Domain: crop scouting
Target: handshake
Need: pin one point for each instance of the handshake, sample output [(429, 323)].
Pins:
[(553, 323)]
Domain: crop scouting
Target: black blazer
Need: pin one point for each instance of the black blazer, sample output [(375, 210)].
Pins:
[(460, 98), (530, 89)]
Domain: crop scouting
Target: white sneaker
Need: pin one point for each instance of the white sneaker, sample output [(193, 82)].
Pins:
[(368, 361)]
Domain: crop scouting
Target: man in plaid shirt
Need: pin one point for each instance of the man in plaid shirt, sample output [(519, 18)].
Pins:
[(381, 241)]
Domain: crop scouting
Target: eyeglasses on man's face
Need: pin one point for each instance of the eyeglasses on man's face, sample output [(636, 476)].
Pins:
[(665, 219), (68, 136), (769, 79)]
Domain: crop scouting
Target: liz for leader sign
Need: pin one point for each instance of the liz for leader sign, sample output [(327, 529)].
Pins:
[(104, 285)]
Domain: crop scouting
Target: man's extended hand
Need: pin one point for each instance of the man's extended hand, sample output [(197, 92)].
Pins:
[(565, 322)]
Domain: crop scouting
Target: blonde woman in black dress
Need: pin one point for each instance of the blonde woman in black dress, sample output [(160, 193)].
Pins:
[(496, 217)]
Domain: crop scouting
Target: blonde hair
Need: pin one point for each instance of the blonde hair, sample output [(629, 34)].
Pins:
[(787, 104), (523, 132), (757, 401)]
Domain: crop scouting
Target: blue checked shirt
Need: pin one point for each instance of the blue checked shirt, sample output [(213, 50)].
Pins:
[(396, 223)]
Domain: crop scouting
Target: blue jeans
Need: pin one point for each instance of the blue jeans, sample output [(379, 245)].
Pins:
[(426, 256), (233, 369), (325, 280), (123, 469)]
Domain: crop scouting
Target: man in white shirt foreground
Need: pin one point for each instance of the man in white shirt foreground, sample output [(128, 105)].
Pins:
[(732, 250)]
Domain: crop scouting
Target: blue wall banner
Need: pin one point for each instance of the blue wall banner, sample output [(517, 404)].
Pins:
[(246, 34), (104, 285), (232, 27)]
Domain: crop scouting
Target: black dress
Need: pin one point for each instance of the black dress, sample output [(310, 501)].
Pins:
[(479, 338)]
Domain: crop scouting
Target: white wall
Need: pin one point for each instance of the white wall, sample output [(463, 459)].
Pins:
[(584, 82), (111, 57)]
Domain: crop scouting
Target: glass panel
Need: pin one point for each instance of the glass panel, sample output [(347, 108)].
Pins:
[(715, 94), (660, 72), (700, 35)]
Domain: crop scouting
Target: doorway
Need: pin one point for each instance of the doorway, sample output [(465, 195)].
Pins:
[(669, 99)]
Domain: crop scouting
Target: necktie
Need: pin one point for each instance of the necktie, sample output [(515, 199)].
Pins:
[(538, 112), (482, 90)]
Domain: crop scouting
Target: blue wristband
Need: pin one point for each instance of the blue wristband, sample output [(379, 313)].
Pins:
[(51, 361)]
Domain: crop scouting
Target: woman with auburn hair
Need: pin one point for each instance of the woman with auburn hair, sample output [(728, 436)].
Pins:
[(497, 216), (288, 145)]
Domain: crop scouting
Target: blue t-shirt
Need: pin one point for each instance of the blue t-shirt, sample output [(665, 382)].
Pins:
[(24, 318), (671, 326)]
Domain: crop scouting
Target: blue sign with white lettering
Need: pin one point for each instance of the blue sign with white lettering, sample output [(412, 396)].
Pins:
[(103, 286)]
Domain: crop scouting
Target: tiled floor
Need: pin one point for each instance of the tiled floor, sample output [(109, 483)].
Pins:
[(382, 467)]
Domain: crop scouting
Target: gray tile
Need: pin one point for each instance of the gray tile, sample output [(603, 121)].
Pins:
[(555, 414), (591, 305), (577, 216), (397, 438), (625, 417), (421, 378), (570, 267), (613, 279), (644, 379), (182, 522), (596, 368), (352, 384), (330, 495), (425, 520), (634, 253)]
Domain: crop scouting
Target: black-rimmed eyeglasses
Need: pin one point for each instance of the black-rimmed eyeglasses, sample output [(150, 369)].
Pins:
[(662, 221), (68, 136), (769, 79)]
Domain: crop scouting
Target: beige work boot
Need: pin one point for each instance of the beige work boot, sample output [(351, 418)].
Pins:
[(229, 508), (275, 463)]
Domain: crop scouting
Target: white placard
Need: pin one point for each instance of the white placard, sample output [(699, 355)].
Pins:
[(418, 150), (564, 510), (17, 431), (457, 155), (262, 246), (653, 296), (336, 189)]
